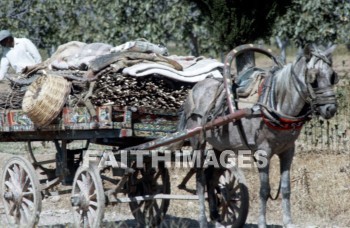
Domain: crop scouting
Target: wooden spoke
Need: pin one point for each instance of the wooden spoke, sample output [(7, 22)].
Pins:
[(13, 207), (10, 185), (21, 193), (28, 202)]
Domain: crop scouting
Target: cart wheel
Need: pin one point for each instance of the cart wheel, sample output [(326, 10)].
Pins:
[(20, 192), (47, 170), (48, 147), (232, 200), (149, 181), (88, 198)]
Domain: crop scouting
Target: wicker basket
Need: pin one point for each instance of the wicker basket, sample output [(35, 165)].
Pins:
[(44, 99)]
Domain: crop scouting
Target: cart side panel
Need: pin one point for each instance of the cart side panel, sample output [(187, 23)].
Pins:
[(112, 122)]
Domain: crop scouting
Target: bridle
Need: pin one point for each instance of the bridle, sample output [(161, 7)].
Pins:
[(313, 96)]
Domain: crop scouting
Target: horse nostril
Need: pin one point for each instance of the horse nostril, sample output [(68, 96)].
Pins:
[(331, 110)]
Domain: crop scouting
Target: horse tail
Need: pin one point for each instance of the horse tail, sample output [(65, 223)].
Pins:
[(181, 125)]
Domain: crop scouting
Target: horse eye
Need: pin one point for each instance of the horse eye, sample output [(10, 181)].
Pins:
[(334, 78)]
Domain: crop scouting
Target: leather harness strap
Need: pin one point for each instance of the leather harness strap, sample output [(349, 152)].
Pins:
[(272, 118)]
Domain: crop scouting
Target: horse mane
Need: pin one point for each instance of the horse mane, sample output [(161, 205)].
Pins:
[(283, 82), (282, 78)]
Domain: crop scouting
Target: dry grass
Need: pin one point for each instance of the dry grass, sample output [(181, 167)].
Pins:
[(320, 191)]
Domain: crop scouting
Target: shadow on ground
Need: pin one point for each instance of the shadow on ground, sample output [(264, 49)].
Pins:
[(256, 226), (169, 222)]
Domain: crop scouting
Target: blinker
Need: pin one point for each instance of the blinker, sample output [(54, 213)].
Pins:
[(334, 78)]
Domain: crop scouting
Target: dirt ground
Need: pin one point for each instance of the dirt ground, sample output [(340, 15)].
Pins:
[(320, 196), (320, 190)]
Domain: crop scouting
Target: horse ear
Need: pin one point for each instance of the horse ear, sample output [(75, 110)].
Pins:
[(329, 51), (307, 52)]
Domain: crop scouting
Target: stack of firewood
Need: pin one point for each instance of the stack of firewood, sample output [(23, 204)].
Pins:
[(12, 99), (148, 92), (153, 92)]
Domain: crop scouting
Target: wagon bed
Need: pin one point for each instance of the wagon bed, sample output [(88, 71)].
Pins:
[(115, 126)]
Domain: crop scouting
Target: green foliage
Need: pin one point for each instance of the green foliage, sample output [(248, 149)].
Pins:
[(317, 21), (58, 21), (232, 23), (203, 26)]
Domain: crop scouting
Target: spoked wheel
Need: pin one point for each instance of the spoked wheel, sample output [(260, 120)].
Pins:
[(48, 170), (232, 200), (88, 198), (74, 156), (149, 181), (21, 192)]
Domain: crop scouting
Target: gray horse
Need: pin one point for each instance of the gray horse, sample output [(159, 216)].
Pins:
[(289, 96)]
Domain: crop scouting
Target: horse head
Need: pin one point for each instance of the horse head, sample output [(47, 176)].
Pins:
[(320, 79)]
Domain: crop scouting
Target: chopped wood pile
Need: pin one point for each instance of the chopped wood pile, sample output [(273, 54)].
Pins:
[(148, 92), (152, 92), (141, 77), (12, 99)]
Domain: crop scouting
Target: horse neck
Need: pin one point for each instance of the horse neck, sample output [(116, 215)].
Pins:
[(289, 92)]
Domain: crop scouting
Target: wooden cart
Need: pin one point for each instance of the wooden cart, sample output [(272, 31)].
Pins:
[(146, 189)]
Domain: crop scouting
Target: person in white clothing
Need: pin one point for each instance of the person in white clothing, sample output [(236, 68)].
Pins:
[(17, 53)]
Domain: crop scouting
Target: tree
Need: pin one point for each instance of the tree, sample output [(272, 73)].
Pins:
[(204, 26), (51, 23), (317, 21), (235, 22), (12, 14)]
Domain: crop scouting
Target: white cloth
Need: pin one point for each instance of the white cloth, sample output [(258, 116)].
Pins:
[(24, 53), (195, 73), (76, 55), (141, 46)]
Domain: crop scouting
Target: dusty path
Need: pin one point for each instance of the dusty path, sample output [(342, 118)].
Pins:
[(56, 209), (320, 197)]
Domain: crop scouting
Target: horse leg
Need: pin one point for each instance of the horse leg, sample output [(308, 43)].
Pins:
[(211, 173), (200, 186), (264, 193), (198, 144), (286, 159)]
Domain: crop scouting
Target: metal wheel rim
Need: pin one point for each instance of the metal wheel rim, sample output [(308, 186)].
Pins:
[(87, 187), (21, 193)]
